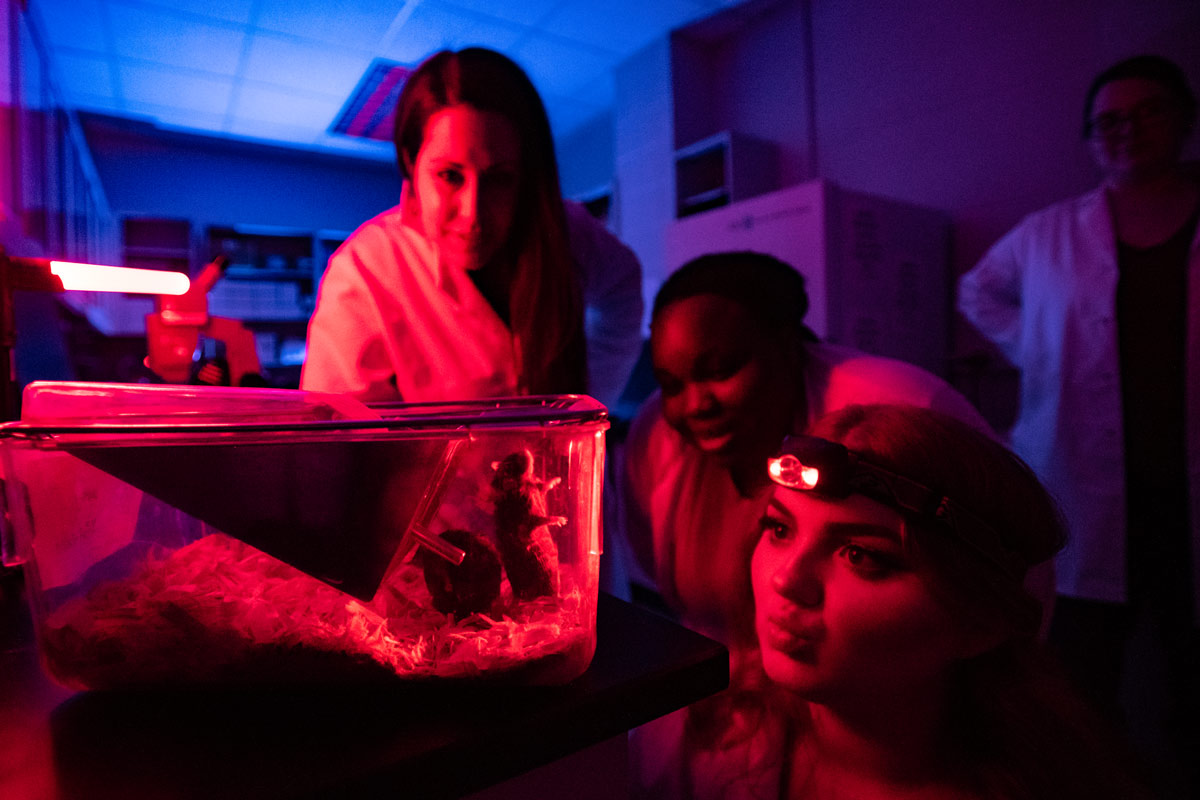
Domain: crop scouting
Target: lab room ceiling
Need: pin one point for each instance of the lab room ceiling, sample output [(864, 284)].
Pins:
[(282, 71)]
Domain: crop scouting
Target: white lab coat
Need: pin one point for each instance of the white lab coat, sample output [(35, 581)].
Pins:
[(1046, 295), (392, 323)]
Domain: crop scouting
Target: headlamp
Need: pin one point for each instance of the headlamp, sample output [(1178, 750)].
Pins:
[(812, 464)]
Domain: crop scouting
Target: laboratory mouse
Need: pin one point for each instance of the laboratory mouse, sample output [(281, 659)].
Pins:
[(527, 549)]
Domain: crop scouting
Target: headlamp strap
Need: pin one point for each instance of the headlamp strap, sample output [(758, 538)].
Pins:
[(841, 472)]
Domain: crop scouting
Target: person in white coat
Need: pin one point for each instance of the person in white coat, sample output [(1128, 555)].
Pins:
[(738, 370), (1097, 301), (482, 282)]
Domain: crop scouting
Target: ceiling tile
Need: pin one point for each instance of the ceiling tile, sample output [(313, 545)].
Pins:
[(286, 108), (284, 61), (481, 33), (556, 67), (90, 75), (289, 64), (416, 39), (525, 12), (142, 34), (344, 23), (621, 26), (433, 27), (175, 88), (72, 23), (240, 11)]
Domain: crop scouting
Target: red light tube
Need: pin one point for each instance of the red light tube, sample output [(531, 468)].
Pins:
[(97, 278)]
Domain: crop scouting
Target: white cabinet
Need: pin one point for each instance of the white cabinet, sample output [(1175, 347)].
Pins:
[(877, 270)]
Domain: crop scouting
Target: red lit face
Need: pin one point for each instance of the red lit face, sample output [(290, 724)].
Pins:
[(466, 183), (1138, 130), (842, 613), (727, 387)]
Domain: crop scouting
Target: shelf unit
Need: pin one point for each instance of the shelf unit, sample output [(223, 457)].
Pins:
[(270, 273), (271, 284), (325, 242), (721, 169), (273, 272)]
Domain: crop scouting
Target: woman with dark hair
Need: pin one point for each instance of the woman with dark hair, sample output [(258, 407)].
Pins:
[(737, 371), (476, 284), (1096, 300), (894, 651)]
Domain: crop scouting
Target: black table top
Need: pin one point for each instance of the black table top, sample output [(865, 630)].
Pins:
[(404, 741)]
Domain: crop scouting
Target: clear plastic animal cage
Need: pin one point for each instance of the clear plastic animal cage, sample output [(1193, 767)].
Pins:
[(178, 535)]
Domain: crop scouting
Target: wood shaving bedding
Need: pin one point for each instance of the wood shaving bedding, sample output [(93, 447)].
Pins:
[(219, 610)]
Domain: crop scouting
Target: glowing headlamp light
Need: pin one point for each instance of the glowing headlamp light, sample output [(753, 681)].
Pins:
[(788, 471), (812, 464), (809, 463)]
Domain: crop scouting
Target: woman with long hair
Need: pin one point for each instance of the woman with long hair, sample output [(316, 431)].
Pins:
[(891, 646), (476, 284)]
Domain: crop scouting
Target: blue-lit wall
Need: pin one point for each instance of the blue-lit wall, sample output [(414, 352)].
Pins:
[(221, 182), (585, 158)]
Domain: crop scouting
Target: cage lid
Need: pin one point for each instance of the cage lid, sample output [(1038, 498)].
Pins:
[(320, 481)]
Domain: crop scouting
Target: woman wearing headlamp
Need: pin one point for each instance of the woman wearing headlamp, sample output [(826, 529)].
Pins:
[(897, 654), (737, 371)]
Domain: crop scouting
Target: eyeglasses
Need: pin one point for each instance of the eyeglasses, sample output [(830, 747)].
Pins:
[(812, 464), (1112, 123)]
